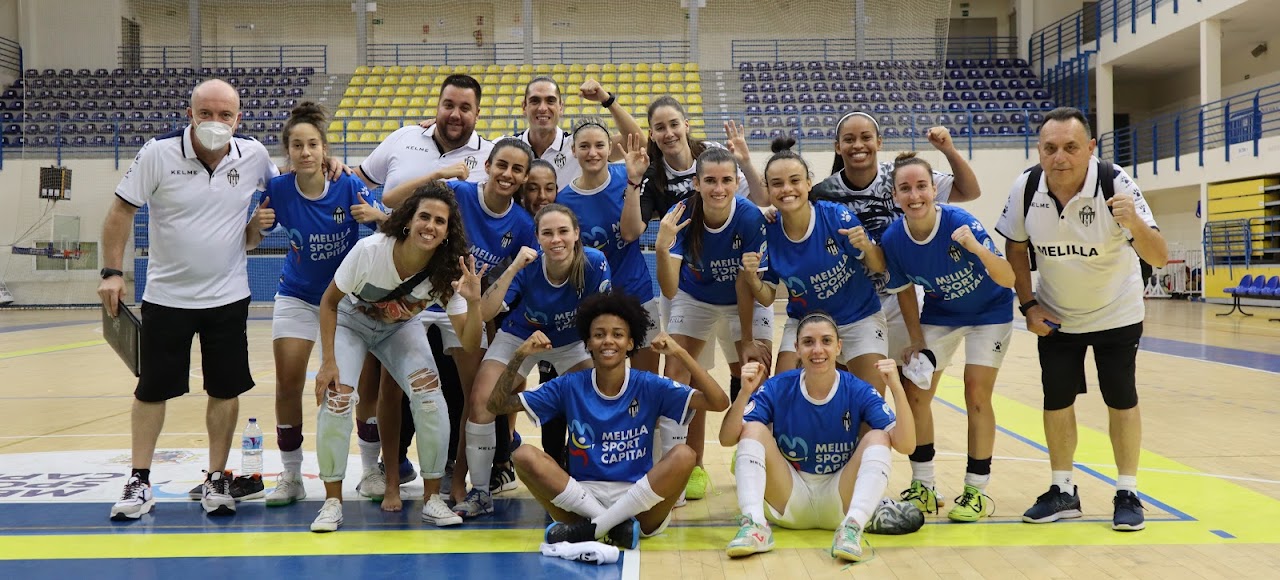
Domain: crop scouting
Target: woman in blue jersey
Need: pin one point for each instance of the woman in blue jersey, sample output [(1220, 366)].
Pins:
[(606, 199), (822, 256), (967, 297), (699, 256), (800, 452), (541, 187), (322, 219), (418, 258), (613, 488)]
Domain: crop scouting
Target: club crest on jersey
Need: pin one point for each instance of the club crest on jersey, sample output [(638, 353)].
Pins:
[(832, 248), (471, 162), (560, 160), (506, 239), (847, 420), (954, 252), (633, 408), (233, 177), (737, 242), (339, 216), (1086, 215)]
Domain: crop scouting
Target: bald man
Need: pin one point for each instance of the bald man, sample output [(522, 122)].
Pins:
[(199, 182)]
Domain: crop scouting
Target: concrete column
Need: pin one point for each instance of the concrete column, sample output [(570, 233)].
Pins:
[(860, 28), (1210, 61), (526, 18), (693, 30), (197, 40), (1026, 26), (362, 32), (1105, 107)]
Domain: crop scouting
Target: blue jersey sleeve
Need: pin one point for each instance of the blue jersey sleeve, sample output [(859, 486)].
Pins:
[(760, 407), (892, 244), (546, 402), (874, 410), (598, 277), (673, 398)]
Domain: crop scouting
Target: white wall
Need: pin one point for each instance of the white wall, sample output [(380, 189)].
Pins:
[(69, 33), (1047, 12)]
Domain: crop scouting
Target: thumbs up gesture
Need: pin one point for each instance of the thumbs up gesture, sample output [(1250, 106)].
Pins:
[(264, 217), (364, 212)]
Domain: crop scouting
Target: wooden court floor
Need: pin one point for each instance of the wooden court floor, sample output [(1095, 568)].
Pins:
[(1210, 478)]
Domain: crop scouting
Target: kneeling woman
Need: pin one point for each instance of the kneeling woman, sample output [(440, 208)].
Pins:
[(418, 258), (799, 451), (613, 488)]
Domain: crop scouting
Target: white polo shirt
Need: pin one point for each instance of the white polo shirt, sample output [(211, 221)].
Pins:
[(412, 152), (560, 156), (196, 219), (1089, 274)]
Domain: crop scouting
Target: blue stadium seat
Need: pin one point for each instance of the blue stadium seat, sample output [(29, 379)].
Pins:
[(892, 132), (758, 134), (786, 98), (751, 98), (747, 77), (769, 98), (744, 66), (986, 130), (790, 109), (1036, 118)]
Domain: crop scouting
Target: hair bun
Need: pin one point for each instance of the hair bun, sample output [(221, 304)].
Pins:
[(905, 155), (780, 144)]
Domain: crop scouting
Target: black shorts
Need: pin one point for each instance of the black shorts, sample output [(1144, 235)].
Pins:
[(166, 351), (1115, 353)]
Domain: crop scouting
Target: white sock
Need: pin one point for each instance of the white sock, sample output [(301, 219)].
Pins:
[(672, 434), (369, 451), (482, 441), (1127, 483), (576, 499), (978, 481), (639, 498), (922, 471), (873, 477), (592, 552), (292, 461), (749, 470), (1063, 480)]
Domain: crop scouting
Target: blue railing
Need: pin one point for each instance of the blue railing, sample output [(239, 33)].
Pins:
[(1084, 29), (10, 56), (290, 55), (1241, 120), (1068, 83), (543, 52), (840, 49)]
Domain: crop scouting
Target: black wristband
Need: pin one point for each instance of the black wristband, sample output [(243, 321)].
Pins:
[(609, 101), (109, 272), (1028, 305)]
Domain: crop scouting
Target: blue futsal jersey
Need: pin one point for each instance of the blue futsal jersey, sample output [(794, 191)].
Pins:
[(712, 279), (821, 271), (599, 212), (541, 305), (610, 439), (321, 232), (818, 436), (958, 290), (494, 238)]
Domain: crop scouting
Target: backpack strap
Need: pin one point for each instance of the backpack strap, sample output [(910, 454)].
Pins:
[(1033, 174), (406, 286), (1107, 180)]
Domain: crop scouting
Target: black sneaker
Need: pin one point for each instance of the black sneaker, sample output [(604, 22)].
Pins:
[(626, 535), (1053, 505), (502, 479), (565, 532), (243, 487), (1128, 515)]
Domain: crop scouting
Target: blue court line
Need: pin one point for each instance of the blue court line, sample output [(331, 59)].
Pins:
[(526, 566), (1222, 534), (1243, 358), (1180, 515)]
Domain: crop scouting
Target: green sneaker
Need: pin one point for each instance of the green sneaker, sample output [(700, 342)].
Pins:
[(752, 538), (971, 506), (925, 498), (698, 483), (847, 544)]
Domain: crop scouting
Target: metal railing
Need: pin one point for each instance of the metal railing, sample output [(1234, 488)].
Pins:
[(1084, 29), (1068, 83), (1235, 124), (289, 55), (10, 56), (841, 49), (618, 51)]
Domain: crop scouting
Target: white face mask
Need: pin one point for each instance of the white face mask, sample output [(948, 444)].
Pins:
[(213, 135)]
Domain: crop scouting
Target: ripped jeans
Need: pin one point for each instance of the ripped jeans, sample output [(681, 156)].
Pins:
[(403, 350)]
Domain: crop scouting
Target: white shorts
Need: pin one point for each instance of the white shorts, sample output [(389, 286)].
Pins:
[(609, 492), (294, 318), (562, 358), (815, 502), (984, 345), (448, 338), (866, 336), (897, 336), (401, 347), (710, 322)]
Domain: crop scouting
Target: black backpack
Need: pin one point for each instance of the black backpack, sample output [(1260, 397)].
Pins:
[(1106, 179)]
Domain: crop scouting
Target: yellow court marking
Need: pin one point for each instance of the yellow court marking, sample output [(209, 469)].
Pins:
[(49, 349)]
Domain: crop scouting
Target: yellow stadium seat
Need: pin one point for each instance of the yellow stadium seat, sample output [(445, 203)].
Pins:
[(658, 67), (383, 136), (690, 67), (411, 69), (377, 113), (559, 68), (642, 89), (351, 92), (644, 99), (386, 91), (364, 102), (574, 100), (485, 101), (695, 99), (362, 70), (418, 102), (500, 112), (357, 81), (643, 67), (444, 69), (378, 70), (679, 97), (593, 68), (500, 124), (693, 77), (335, 137), (395, 69), (423, 80), (571, 111), (694, 109), (382, 102), (427, 68), (608, 78), (506, 90), (675, 77), (493, 68), (626, 99), (369, 92), (407, 80), (361, 113), (480, 68), (412, 114), (699, 135), (559, 78), (404, 91), (697, 122), (609, 67), (675, 66), (503, 101), (355, 125), (395, 113), (625, 67), (576, 79), (347, 103), (674, 88), (400, 102), (495, 135), (482, 124), (342, 113), (658, 77), (642, 77), (488, 80), (576, 68), (525, 68), (409, 121), (658, 89), (542, 68), (693, 88), (626, 77), (433, 101), (393, 124), (509, 79), (373, 80), (421, 91), (510, 68), (523, 79)]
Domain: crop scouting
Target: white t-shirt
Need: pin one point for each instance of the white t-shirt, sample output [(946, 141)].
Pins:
[(196, 219), (368, 274), (1089, 274), (412, 152), (560, 155)]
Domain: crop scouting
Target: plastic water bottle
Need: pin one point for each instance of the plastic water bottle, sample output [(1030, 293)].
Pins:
[(251, 449)]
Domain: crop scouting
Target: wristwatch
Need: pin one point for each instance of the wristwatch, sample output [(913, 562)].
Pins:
[(109, 272), (1028, 305)]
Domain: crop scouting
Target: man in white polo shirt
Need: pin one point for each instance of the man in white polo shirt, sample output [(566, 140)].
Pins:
[(543, 106), (199, 183), (1084, 234)]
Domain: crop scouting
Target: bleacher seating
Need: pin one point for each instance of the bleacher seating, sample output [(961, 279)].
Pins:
[(380, 99)]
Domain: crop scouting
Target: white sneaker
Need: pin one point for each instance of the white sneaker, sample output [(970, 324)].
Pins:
[(217, 500), (373, 484), (288, 490), (436, 512), (135, 502), (330, 517)]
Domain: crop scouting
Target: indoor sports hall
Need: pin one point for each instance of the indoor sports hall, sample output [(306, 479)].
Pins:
[(1183, 95)]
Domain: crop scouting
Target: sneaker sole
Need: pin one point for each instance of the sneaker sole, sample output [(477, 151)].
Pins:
[(324, 528), (744, 551), (1062, 515), (254, 495), (453, 521), (283, 502), (475, 515), (125, 516), (1128, 527), (221, 510), (509, 486), (846, 556)]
